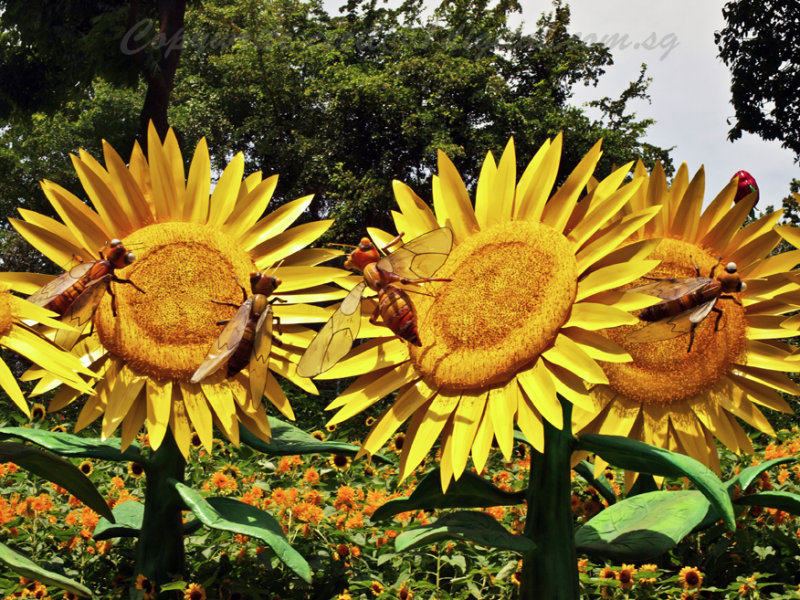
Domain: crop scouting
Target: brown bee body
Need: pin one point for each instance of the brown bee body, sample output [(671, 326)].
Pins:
[(247, 337), (76, 294), (685, 304), (410, 264)]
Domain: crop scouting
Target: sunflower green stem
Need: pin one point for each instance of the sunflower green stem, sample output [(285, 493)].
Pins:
[(159, 551), (551, 570)]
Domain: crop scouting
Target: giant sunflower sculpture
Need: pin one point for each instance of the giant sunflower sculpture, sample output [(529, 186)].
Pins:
[(193, 248), (532, 279), (681, 397), (16, 317)]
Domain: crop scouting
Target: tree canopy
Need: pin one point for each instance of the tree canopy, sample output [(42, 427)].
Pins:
[(760, 46), (338, 105)]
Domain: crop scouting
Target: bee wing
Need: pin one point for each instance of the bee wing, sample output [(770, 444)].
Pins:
[(225, 344), (81, 312), (673, 327), (259, 356), (335, 338), (45, 294), (671, 288), (421, 257)]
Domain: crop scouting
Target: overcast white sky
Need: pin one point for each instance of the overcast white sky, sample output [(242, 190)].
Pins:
[(690, 90)]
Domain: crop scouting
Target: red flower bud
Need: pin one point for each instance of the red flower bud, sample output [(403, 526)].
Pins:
[(747, 184)]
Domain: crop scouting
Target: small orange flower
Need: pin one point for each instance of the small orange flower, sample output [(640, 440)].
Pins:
[(582, 564), (608, 573)]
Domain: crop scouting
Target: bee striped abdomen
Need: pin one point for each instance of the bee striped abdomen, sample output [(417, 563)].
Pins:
[(397, 312), (61, 303), (241, 356), (676, 306)]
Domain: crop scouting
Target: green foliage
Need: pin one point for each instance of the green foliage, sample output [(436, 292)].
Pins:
[(340, 106), (758, 44)]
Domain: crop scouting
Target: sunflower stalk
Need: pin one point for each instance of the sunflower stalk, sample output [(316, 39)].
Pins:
[(550, 571), (160, 552)]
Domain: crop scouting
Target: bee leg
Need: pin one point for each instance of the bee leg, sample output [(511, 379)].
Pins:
[(691, 337), (227, 303), (373, 318), (244, 291), (120, 280), (276, 299), (223, 322), (277, 321), (719, 316), (729, 297), (113, 301), (405, 281), (399, 238)]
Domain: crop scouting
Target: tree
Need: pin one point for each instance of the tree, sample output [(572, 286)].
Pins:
[(340, 106), (759, 45), (51, 53)]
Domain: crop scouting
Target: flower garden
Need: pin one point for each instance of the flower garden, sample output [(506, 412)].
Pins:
[(506, 418)]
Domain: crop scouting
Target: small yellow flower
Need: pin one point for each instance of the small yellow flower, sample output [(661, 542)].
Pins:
[(86, 467), (194, 591), (339, 461), (135, 470), (146, 586), (320, 435), (690, 578), (625, 576), (376, 587), (405, 593), (38, 412)]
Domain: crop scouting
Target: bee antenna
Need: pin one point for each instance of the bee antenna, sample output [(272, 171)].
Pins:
[(278, 266), (344, 245)]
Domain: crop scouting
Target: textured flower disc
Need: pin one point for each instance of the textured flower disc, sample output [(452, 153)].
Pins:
[(515, 328), (679, 399), (191, 246), (15, 334), (512, 288)]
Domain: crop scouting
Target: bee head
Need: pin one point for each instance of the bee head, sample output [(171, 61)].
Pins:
[(262, 284), (364, 254), (730, 280)]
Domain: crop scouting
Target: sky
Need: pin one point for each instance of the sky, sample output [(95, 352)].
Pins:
[(690, 91)]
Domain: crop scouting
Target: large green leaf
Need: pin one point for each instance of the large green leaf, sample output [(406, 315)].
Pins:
[(56, 470), (602, 485), (67, 444), (288, 440), (748, 475), (780, 500), (634, 455), (127, 522), (643, 526), (470, 491), (471, 526), (232, 515), (21, 565)]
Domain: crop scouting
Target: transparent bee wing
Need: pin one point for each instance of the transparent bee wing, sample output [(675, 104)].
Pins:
[(47, 293), (335, 338), (676, 326), (259, 355), (670, 289), (421, 257), (81, 311), (225, 345)]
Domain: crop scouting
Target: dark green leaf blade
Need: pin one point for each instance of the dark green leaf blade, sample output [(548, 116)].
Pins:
[(748, 475), (22, 565), (477, 527), (786, 501), (67, 444), (637, 456), (228, 514), (127, 522), (288, 440), (470, 491), (643, 526), (603, 487), (56, 470)]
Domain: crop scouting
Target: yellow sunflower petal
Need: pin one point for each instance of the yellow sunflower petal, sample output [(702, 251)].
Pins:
[(728, 225), (223, 199), (557, 211), (365, 391), (482, 443), (465, 425), (248, 210), (372, 355), (133, 423), (430, 426), (502, 406), (10, 386), (532, 198), (220, 398), (282, 245), (55, 246), (594, 316), (596, 346), (452, 199), (483, 194), (687, 213), (159, 402), (102, 198), (607, 278), (504, 185), (198, 186), (199, 413), (761, 394), (541, 391), (589, 225), (611, 239), (530, 423), (84, 224), (179, 422), (407, 404), (414, 209), (569, 355), (131, 197)]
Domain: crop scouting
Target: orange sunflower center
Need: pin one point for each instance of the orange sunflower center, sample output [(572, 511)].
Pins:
[(512, 289), (666, 371), (166, 331), (6, 311)]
